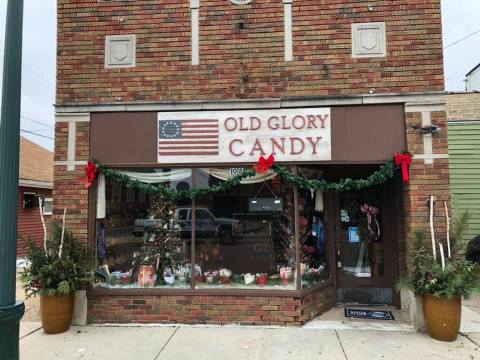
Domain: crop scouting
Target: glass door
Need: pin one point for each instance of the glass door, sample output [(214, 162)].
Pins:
[(364, 239)]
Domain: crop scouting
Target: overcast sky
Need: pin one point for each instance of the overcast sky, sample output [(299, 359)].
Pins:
[(460, 19)]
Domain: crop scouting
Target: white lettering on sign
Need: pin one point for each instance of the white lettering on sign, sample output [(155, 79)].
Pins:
[(295, 135)]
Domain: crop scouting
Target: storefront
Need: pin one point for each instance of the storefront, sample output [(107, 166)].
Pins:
[(184, 231)]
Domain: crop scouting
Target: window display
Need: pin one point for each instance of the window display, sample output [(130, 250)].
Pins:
[(313, 232), (244, 237), (141, 241)]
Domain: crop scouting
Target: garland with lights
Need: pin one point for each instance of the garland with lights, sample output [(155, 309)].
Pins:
[(384, 173)]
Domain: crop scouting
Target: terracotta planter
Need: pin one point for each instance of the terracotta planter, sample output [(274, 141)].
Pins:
[(442, 316), (56, 312)]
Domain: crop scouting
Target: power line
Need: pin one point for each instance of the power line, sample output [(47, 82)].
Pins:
[(36, 121), (462, 39), (40, 76), (34, 133)]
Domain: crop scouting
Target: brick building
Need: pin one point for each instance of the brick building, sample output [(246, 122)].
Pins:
[(188, 94), (35, 181)]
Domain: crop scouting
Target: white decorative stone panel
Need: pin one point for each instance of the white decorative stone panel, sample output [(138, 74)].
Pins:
[(369, 40), (120, 51), (240, 2)]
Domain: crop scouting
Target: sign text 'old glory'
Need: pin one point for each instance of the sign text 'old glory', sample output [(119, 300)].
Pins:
[(294, 135)]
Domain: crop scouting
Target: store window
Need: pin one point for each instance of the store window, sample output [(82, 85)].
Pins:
[(245, 237), (313, 231), (143, 241)]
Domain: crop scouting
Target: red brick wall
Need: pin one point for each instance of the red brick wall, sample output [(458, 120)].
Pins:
[(427, 179), (212, 309), (68, 190), (316, 303), (249, 62), (29, 222)]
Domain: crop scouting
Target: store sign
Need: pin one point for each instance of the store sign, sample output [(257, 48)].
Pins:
[(295, 135)]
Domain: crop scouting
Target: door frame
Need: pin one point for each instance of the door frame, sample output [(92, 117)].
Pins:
[(391, 191)]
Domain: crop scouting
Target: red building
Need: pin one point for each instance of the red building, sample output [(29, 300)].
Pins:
[(189, 94), (36, 182)]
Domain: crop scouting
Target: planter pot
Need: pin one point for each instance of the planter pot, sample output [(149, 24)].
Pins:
[(224, 280), (249, 279), (262, 280), (286, 274), (56, 312), (170, 280), (442, 316)]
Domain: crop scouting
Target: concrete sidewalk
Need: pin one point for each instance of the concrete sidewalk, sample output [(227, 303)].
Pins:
[(236, 343)]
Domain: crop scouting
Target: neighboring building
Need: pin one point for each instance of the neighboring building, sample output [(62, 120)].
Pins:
[(35, 185), (473, 79), (463, 114), (189, 93)]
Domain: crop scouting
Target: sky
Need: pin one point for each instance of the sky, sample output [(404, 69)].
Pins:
[(460, 19)]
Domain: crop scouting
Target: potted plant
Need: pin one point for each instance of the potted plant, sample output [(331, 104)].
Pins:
[(249, 279), (209, 277), (183, 273), (225, 275), (441, 280), (274, 279), (262, 279), (54, 272), (286, 274), (168, 276)]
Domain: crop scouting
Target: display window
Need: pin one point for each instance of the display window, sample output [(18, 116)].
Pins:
[(245, 237), (262, 234), (141, 241)]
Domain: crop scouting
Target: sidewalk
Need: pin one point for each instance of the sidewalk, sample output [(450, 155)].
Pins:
[(325, 338), (238, 343)]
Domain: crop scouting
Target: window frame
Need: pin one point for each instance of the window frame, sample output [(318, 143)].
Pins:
[(225, 292), (49, 199)]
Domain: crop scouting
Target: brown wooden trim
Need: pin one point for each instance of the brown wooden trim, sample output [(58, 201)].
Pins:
[(328, 283), (329, 219), (298, 269), (92, 223), (193, 228), (397, 189), (239, 164), (207, 292)]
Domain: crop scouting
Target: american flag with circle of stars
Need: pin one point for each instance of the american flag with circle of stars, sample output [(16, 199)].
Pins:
[(188, 137)]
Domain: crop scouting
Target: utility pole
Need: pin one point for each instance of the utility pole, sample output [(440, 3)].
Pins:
[(11, 311)]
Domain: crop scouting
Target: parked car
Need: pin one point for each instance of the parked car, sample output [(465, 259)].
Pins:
[(206, 223), (143, 225)]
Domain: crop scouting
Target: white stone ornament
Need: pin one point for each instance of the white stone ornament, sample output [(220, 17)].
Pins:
[(369, 40), (120, 51), (240, 2)]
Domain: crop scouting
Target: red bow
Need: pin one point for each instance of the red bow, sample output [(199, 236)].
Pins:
[(264, 164), (91, 172), (404, 160)]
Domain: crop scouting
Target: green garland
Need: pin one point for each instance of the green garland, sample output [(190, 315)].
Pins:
[(380, 176)]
